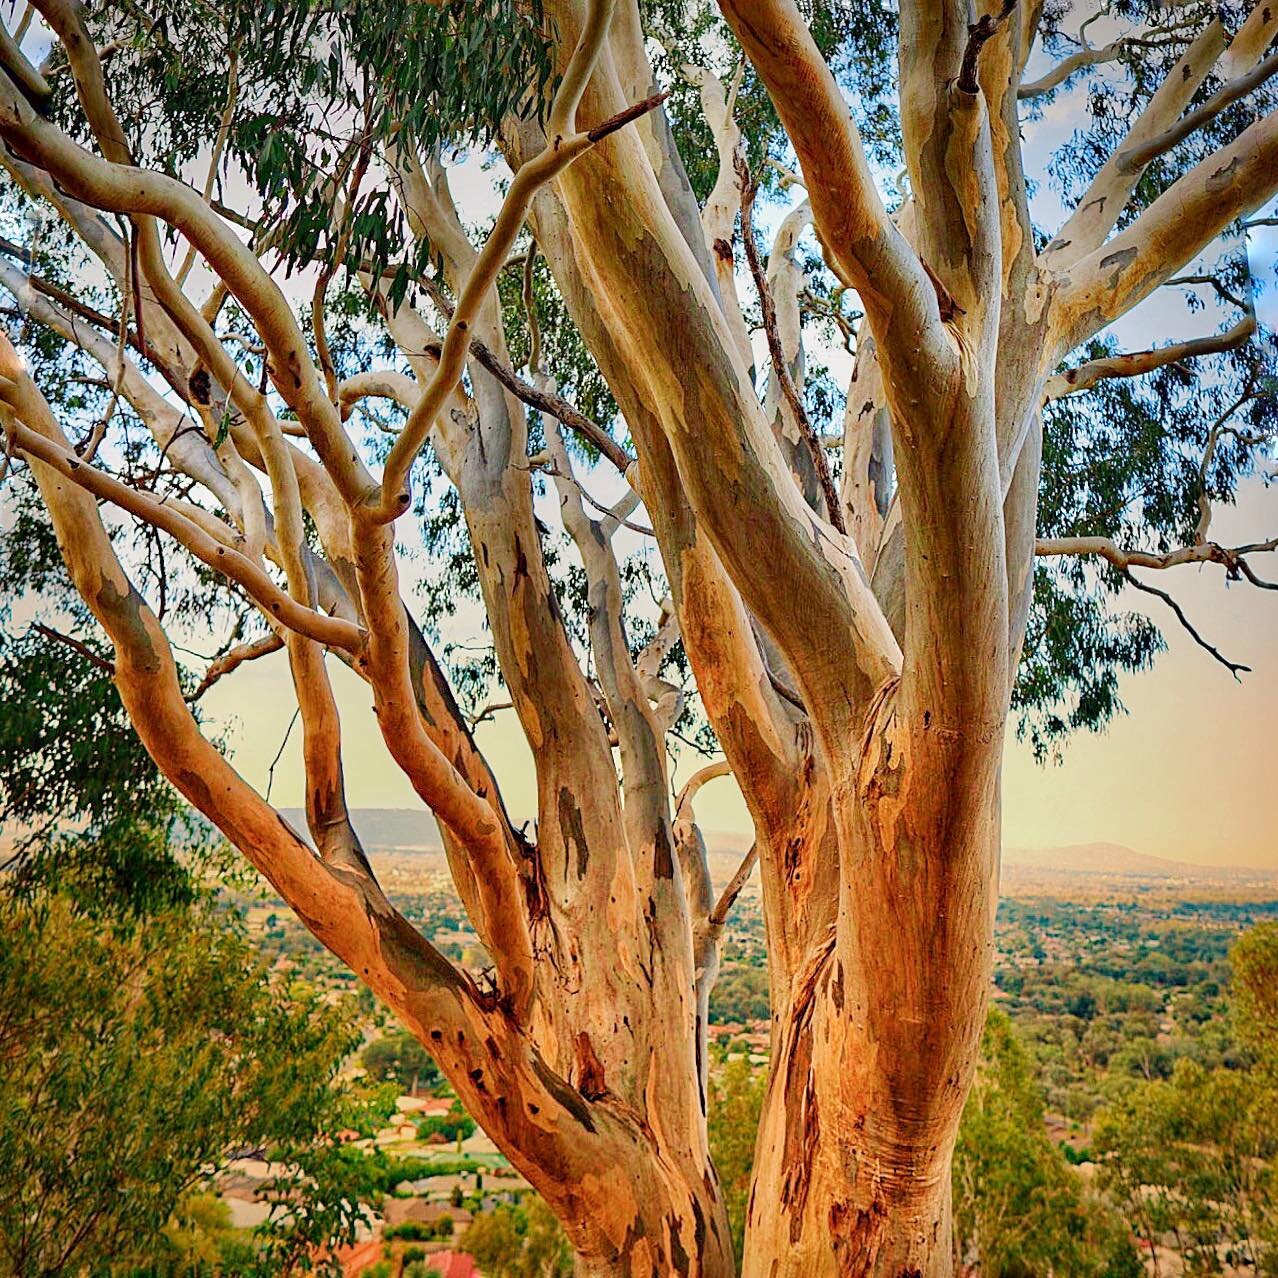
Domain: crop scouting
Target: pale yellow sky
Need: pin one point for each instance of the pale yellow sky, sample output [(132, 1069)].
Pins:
[(1191, 773)]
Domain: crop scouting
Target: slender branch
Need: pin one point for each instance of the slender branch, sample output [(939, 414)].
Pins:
[(82, 310), (1222, 292), (548, 466), (75, 645), (232, 660), (719, 915), (279, 754), (780, 369), (1134, 159), (710, 772), (1233, 667), (335, 259), (1137, 363), (219, 146), (1067, 66), (1158, 37), (544, 401), (331, 631), (1108, 549), (489, 711), (394, 496), (1220, 427), (1245, 568)]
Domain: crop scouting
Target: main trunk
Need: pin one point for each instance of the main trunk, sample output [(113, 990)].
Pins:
[(848, 1181), (875, 1043)]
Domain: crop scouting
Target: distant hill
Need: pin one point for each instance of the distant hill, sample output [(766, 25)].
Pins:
[(408, 830), (385, 829), (1117, 859)]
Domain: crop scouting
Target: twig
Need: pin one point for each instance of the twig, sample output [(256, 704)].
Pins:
[(779, 369), (551, 469), (82, 648), (279, 754), (544, 401), (1245, 568), (622, 118), (1232, 666), (1221, 290)]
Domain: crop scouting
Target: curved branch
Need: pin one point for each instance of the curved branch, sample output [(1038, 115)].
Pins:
[(535, 397), (330, 631), (394, 494), (1134, 159), (234, 659), (1137, 363), (1062, 71), (1230, 183), (1233, 667), (1101, 205), (780, 366)]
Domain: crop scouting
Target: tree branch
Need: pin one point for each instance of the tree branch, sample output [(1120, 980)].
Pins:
[(719, 915), (1068, 66), (1106, 548), (1233, 667), (330, 631), (1103, 202), (75, 645), (394, 494), (1135, 159), (544, 401), (979, 34), (234, 659), (120, 186), (780, 367), (1174, 229), (1243, 304), (1137, 363), (862, 244)]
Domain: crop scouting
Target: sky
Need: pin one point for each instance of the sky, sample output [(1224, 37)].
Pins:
[(1188, 774)]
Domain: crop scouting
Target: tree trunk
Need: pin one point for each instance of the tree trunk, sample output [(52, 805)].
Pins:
[(675, 1229), (842, 1189), (875, 1047)]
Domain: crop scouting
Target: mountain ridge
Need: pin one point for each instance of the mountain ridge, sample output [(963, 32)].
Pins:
[(412, 830)]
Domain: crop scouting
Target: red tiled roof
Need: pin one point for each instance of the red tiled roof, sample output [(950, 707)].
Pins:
[(354, 1260), (453, 1264)]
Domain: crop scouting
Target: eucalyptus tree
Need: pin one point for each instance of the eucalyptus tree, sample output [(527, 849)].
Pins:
[(851, 605)]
